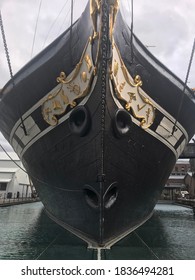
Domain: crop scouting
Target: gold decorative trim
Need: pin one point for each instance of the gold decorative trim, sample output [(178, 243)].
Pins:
[(129, 91), (70, 88), (95, 6), (94, 11), (113, 10)]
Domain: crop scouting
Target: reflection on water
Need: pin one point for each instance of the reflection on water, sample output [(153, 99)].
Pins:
[(169, 234), (27, 233)]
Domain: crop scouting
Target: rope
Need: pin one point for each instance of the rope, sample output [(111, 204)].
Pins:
[(12, 159), (38, 180), (63, 23), (6, 48), (54, 23), (143, 242), (50, 244), (36, 28), (71, 24), (130, 10), (185, 85), (31, 176), (10, 68), (132, 56), (72, 10)]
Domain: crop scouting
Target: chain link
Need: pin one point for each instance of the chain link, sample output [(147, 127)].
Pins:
[(6, 48), (10, 68)]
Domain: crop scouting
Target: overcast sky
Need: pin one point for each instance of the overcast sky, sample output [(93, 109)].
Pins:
[(168, 25)]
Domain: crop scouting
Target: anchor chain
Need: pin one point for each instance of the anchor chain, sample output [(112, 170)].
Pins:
[(6, 48), (10, 68)]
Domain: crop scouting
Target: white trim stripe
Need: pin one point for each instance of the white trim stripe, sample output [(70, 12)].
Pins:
[(168, 120), (163, 132), (169, 140), (34, 134)]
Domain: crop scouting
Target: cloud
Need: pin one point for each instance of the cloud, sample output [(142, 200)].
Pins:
[(169, 26), (19, 18)]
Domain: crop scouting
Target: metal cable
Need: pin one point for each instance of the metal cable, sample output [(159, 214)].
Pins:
[(132, 55), (35, 178), (6, 48), (143, 242), (10, 68), (31, 176), (63, 23), (71, 24), (12, 159), (51, 243), (185, 85), (36, 28), (52, 25)]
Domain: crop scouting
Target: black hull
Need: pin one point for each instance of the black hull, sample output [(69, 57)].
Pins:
[(79, 197), (98, 172)]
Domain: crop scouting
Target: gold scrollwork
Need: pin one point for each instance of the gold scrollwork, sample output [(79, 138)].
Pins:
[(84, 76), (74, 88), (61, 78), (64, 97), (115, 68), (95, 10), (70, 88), (88, 62), (129, 91), (121, 86), (114, 6)]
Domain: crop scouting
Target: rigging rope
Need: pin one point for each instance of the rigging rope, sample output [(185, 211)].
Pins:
[(6, 48), (36, 28), (12, 159), (131, 31), (10, 68), (143, 242), (71, 23), (72, 4), (185, 85), (52, 25), (65, 18), (51, 243), (32, 176)]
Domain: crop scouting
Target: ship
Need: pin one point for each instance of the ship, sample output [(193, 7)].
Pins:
[(98, 123)]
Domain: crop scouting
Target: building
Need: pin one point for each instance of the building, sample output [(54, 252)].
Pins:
[(176, 185), (14, 182), (190, 180), (190, 184)]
